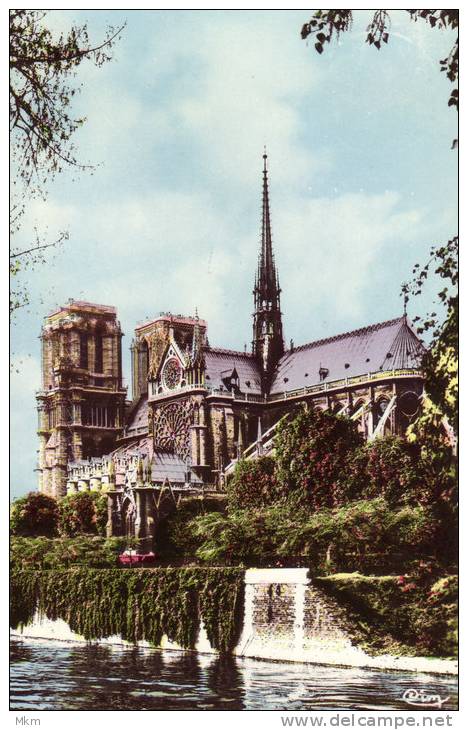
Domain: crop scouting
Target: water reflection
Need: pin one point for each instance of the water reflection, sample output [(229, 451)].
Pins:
[(53, 676)]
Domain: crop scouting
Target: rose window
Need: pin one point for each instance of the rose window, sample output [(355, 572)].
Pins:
[(171, 374), (172, 428), (409, 404)]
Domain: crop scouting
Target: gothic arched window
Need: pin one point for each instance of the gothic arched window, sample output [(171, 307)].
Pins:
[(129, 515), (84, 350), (98, 352), (380, 408)]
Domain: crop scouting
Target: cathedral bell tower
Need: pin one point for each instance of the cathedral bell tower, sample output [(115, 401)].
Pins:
[(82, 400), (267, 344)]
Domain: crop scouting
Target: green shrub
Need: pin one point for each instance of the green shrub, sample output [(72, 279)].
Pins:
[(438, 628), (313, 451), (390, 467), (29, 552), (34, 514), (439, 464), (83, 513), (239, 537), (368, 535), (253, 484), (44, 553), (220, 541), (174, 536), (100, 505), (412, 609)]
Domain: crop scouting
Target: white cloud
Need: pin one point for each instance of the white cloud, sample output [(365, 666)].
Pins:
[(248, 99), (226, 88), (333, 252), (24, 381)]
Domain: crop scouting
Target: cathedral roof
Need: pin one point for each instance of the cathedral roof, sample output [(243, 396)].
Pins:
[(163, 465), (220, 364), (139, 417), (172, 467), (382, 346)]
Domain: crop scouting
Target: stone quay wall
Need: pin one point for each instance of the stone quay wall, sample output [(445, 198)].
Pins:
[(286, 618)]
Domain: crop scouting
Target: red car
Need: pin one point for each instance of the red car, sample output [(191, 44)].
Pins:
[(131, 557)]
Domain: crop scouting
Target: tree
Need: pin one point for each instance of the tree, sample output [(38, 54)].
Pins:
[(253, 484), (41, 123), (21, 260), (393, 468), (440, 363), (328, 24), (83, 513), (313, 452), (33, 515)]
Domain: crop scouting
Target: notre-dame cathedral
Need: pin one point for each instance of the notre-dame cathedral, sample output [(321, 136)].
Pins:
[(196, 409)]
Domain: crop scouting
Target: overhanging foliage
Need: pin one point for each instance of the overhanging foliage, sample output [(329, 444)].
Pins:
[(137, 604)]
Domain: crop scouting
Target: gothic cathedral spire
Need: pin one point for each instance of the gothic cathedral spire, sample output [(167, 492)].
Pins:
[(267, 344)]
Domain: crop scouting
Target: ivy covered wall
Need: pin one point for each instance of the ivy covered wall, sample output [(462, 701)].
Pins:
[(137, 604)]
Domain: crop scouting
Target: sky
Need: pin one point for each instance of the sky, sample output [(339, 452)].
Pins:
[(363, 181)]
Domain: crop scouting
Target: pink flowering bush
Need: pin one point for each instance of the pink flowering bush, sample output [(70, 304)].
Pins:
[(313, 453), (392, 468), (35, 514), (253, 484), (83, 513)]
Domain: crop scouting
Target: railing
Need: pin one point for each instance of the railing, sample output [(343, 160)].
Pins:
[(135, 431), (86, 384), (210, 391), (345, 382), (285, 395), (249, 397), (177, 391)]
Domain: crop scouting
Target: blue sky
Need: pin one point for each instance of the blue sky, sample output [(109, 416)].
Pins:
[(362, 180)]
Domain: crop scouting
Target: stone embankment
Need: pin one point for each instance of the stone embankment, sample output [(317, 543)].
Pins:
[(286, 618)]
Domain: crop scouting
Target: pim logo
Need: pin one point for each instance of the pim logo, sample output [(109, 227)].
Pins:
[(422, 698)]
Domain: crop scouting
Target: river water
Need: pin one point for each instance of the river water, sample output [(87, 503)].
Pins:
[(48, 675)]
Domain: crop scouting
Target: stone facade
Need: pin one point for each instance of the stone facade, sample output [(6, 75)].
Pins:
[(286, 617), (81, 403)]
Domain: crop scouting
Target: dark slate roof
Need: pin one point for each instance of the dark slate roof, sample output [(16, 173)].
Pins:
[(220, 364), (171, 466), (383, 346), (139, 417), (164, 465), (136, 447)]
